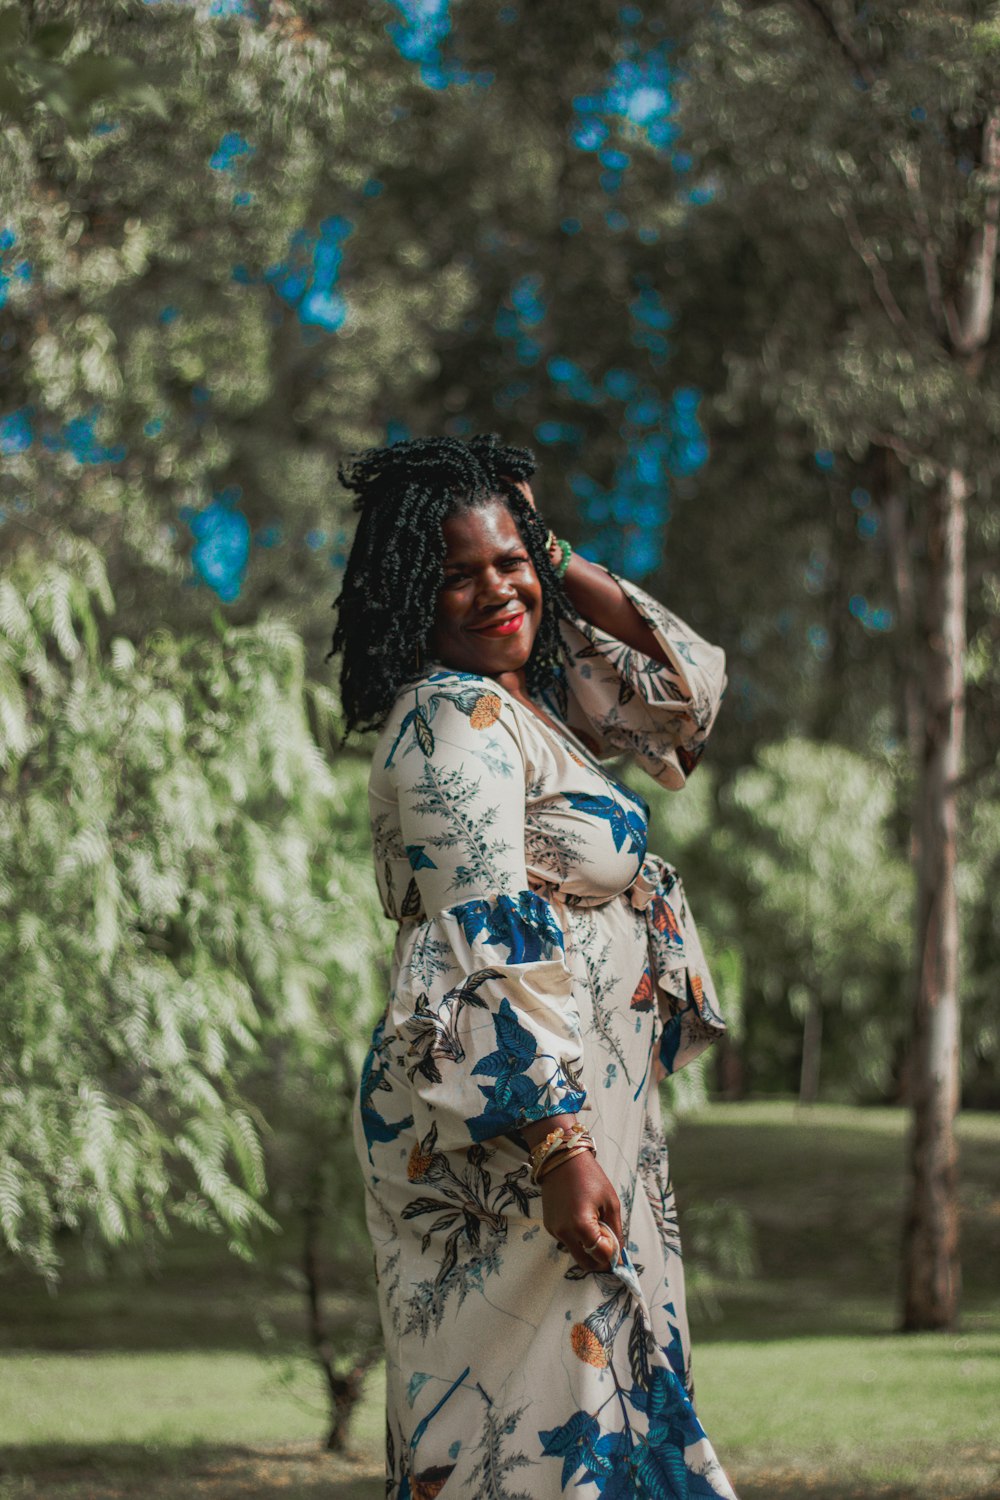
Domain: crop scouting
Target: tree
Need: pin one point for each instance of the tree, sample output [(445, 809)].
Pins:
[(823, 902), (854, 157), (171, 893)]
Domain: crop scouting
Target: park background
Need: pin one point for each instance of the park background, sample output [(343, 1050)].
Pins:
[(729, 270)]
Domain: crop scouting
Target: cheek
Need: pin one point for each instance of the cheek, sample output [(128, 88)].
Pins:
[(450, 609)]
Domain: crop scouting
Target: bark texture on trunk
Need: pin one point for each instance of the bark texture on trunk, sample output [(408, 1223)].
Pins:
[(931, 1275), (343, 1391)]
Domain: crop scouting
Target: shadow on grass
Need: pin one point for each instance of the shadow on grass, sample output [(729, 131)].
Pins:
[(300, 1471), (809, 1486), (291, 1471)]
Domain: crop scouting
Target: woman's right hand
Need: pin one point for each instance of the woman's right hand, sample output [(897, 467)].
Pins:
[(577, 1197)]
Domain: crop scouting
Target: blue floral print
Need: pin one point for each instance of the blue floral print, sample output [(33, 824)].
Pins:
[(545, 966)]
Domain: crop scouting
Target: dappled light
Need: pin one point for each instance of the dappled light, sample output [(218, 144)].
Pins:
[(728, 274)]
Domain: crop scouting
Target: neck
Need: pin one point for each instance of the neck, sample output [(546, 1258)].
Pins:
[(515, 683)]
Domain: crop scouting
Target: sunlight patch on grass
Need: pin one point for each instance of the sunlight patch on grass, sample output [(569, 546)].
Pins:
[(168, 1399), (878, 1410)]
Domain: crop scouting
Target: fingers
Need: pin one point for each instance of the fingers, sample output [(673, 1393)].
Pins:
[(613, 1219), (582, 1212)]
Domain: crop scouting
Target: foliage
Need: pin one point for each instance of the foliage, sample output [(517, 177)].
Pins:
[(823, 904), (171, 890)]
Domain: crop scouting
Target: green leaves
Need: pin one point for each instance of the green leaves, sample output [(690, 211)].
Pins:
[(178, 889), (35, 73)]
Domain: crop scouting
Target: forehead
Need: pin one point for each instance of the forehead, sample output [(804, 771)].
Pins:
[(480, 532)]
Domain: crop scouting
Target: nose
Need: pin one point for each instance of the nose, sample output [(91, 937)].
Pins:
[(493, 588)]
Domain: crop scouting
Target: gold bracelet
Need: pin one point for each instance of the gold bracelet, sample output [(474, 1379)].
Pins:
[(554, 1141), (558, 1157), (584, 1141)]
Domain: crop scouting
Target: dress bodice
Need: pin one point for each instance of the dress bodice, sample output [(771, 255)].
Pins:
[(474, 795), (582, 837)]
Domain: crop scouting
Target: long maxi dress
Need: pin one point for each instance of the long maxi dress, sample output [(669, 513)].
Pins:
[(546, 964)]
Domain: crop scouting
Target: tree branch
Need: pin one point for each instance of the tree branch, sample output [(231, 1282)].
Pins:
[(908, 455), (942, 313), (839, 34), (880, 280)]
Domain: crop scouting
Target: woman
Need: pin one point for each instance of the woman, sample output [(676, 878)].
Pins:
[(546, 975)]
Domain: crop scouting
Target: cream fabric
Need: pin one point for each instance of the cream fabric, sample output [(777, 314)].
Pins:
[(546, 964)]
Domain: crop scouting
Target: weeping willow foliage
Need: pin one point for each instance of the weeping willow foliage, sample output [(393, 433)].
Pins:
[(171, 896)]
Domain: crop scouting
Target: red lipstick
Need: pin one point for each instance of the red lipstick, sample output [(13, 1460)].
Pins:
[(509, 625)]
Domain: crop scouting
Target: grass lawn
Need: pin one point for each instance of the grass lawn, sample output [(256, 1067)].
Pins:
[(169, 1388)]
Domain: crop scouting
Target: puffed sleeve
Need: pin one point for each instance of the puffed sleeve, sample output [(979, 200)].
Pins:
[(483, 998), (659, 713)]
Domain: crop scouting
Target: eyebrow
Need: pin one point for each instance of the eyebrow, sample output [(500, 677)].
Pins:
[(462, 560)]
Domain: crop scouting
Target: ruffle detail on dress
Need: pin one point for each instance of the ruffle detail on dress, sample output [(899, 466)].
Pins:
[(660, 713), (490, 1040), (687, 999)]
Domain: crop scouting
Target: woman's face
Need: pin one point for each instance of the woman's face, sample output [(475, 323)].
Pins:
[(490, 605)]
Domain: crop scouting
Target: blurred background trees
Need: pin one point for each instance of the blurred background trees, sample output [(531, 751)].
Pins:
[(729, 272)]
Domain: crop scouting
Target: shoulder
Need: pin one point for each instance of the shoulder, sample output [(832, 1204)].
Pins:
[(449, 716)]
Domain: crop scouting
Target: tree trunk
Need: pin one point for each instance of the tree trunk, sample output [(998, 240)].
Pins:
[(931, 1272), (812, 1039), (343, 1391), (900, 553)]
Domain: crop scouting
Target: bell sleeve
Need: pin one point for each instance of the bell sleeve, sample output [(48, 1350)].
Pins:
[(660, 713), (483, 999)]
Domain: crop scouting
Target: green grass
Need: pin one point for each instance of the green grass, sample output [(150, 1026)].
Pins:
[(823, 1189), (187, 1384)]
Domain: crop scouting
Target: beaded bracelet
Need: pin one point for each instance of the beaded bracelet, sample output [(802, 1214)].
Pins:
[(566, 552)]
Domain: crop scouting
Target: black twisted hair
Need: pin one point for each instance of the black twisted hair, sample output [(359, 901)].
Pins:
[(386, 608)]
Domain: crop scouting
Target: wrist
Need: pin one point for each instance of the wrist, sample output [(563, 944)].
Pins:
[(560, 551), (561, 1143)]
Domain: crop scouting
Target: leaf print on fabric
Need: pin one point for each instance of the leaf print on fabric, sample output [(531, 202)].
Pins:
[(419, 719), (522, 924), (451, 799), (624, 823), (515, 1098), (423, 732), (489, 1479), (376, 1077), (412, 905), (608, 1015), (470, 1218), (433, 1031), (552, 849), (429, 956), (418, 857), (573, 1442), (494, 758), (654, 1174)]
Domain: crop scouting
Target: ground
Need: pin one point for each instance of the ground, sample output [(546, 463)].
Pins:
[(188, 1383)]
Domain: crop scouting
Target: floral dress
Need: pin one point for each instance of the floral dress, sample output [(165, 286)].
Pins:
[(546, 964)]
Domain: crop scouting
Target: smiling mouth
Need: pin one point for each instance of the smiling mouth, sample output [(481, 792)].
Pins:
[(509, 625)]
